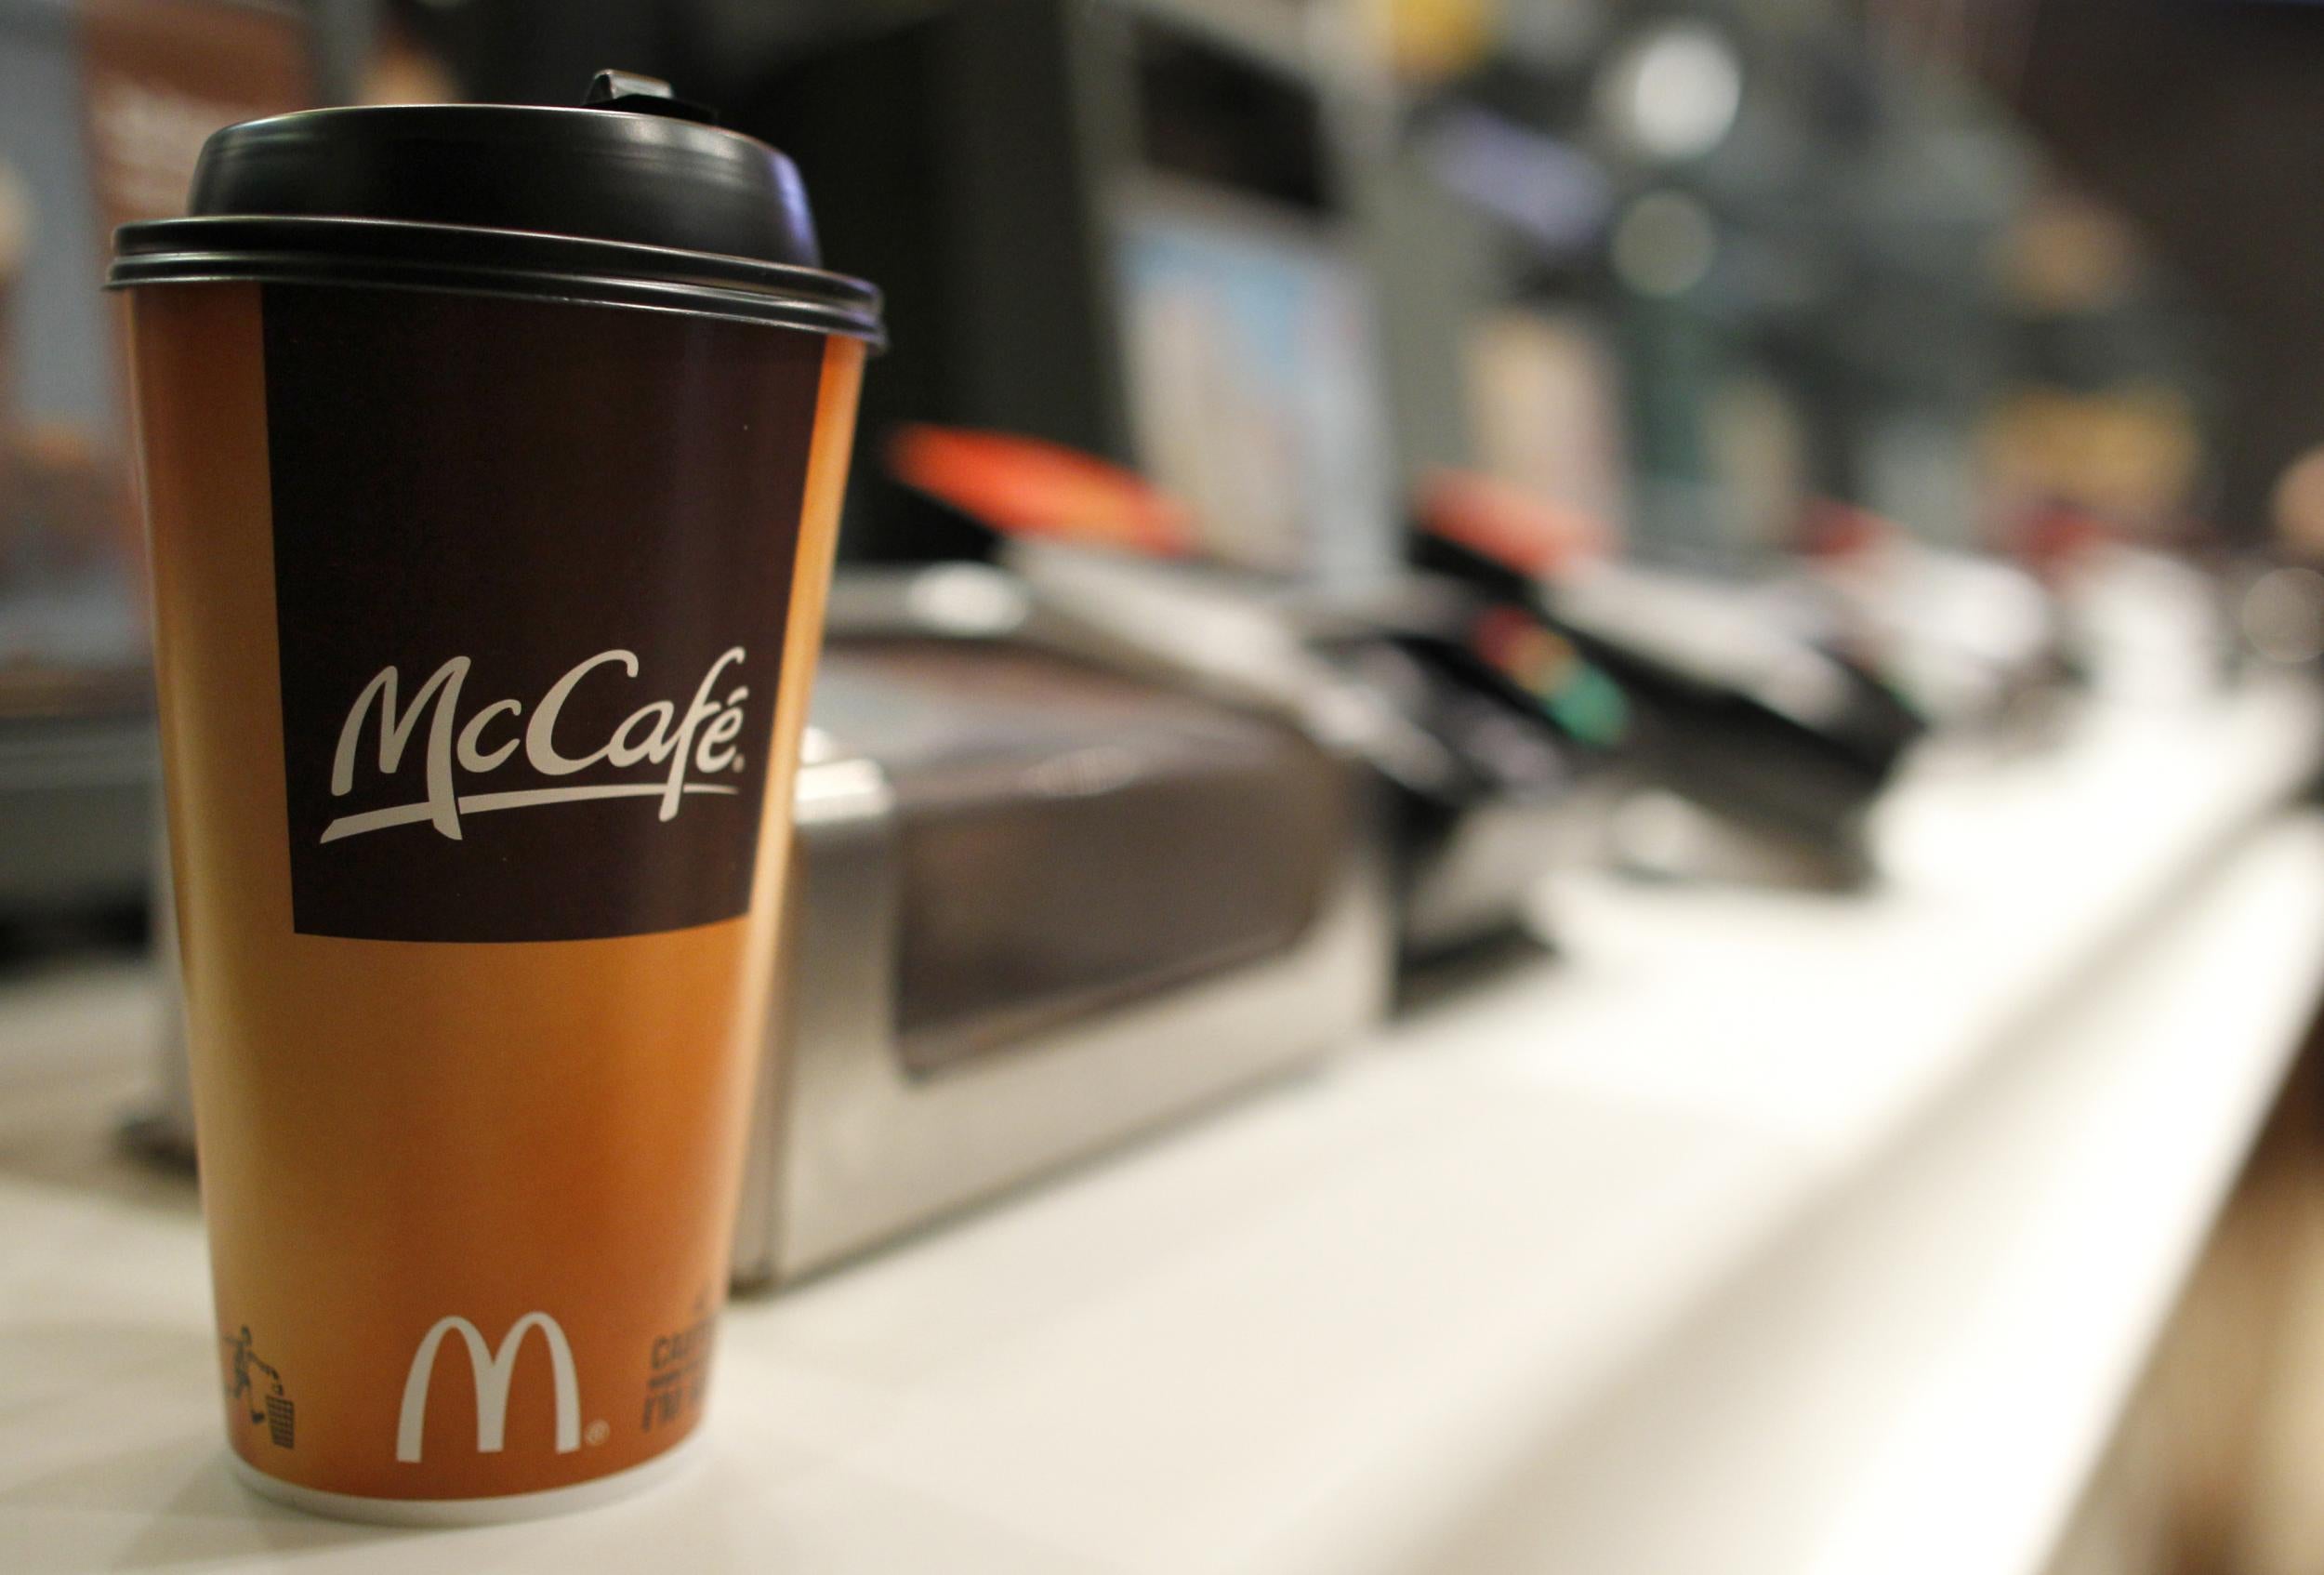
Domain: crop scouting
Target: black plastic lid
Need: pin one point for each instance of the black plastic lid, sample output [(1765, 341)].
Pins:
[(635, 199)]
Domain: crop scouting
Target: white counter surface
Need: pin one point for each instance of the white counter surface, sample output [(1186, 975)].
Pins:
[(1448, 1304)]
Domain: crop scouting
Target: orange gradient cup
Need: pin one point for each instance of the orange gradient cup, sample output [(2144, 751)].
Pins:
[(486, 611)]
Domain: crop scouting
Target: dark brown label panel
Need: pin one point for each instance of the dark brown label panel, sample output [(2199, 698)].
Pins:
[(533, 563)]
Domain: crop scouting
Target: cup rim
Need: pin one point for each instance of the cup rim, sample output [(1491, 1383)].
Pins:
[(413, 255)]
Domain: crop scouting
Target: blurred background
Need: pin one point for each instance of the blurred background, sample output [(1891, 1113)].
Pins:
[(1371, 499)]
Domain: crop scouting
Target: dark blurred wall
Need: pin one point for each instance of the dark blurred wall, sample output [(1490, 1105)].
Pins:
[(546, 51), (2205, 121)]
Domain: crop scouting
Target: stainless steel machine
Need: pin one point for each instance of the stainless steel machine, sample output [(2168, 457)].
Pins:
[(1050, 889)]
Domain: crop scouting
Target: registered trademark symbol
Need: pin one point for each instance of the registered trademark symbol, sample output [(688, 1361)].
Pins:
[(598, 1433)]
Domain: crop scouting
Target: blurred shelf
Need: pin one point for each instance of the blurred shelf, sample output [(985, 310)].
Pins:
[(1396, 1314)]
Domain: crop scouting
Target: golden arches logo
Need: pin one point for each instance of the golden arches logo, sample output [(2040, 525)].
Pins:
[(494, 1371)]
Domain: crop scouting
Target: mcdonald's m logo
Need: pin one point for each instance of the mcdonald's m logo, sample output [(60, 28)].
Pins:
[(493, 1370)]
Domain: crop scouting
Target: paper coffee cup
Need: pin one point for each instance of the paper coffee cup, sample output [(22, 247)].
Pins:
[(493, 460)]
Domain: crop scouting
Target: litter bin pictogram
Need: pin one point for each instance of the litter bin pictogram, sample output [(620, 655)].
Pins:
[(280, 1416), (277, 1410)]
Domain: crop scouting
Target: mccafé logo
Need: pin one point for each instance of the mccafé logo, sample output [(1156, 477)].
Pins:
[(698, 740), (586, 616), (493, 1371)]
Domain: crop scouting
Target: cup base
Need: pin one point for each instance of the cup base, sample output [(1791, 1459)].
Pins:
[(469, 1512)]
